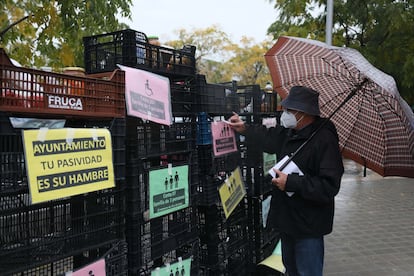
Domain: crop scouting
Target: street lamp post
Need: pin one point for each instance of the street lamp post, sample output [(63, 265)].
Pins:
[(329, 21)]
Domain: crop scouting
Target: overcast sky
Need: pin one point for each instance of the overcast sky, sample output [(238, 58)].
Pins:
[(237, 18)]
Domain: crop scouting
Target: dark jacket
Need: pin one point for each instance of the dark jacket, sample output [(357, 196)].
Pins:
[(310, 211)]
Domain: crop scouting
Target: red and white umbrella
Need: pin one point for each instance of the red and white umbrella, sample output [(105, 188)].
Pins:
[(375, 125)]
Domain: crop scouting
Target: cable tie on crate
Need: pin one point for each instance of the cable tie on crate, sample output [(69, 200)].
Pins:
[(169, 168), (69, 135), (41, 135), (227, 182), (94, 134)]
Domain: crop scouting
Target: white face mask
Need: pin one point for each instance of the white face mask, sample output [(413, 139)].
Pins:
[(288, 119)]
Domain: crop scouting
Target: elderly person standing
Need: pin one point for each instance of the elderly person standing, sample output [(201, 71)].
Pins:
[(302, 206)]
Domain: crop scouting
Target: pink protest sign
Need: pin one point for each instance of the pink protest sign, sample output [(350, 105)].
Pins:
[(94, 269), (147, 95), (224, 140)]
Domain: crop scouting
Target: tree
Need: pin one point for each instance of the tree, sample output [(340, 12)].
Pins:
[(52, 31), (381, 30), (247, 64), (298, 18), (211, 44), (221, 60)]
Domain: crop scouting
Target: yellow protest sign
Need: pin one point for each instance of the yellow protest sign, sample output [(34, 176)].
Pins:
[(232, 192), (68, 161)]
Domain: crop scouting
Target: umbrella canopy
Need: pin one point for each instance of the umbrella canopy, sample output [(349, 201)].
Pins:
[(375, 125)]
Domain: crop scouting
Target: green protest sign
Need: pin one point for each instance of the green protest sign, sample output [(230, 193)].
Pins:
[(168, 190), (180, 268)]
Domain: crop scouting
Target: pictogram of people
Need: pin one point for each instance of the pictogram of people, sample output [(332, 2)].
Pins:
[(171, 181), (176, 178), (225, 131)]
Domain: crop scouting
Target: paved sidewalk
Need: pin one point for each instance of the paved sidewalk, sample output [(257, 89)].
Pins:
[(374, 226)]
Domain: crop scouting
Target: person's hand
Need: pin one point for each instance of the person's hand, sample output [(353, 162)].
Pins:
[(280, 180), (236, 123)]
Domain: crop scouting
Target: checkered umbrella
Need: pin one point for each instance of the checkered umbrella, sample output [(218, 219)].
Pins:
[(375, 125)]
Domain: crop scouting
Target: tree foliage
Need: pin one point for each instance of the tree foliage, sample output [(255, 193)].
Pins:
[(52, 31), (247, 64), (210, 43), (382, 30), (221, 60)]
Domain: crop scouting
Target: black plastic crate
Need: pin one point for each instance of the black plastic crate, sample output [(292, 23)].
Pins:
[(115, 255), (221, 238), (140, 263), (226, 98), (257, 181), (12, 160), (103, 52), (254, 166), (216, 98), (116, 259), (183, 96), (233, 264), (148, 139), (138, 173), (55, 268), (212, 173), (262, 239), (254, 100), (46, 232), (131, 48), (50, 231), (151, 239)]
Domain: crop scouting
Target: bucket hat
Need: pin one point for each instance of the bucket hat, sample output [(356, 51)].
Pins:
[(302, 99)]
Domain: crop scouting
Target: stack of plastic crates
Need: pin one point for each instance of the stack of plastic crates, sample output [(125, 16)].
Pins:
[(224, 248), (218, 102), (215, 102), (259, 185), (262, 240), (63, 234), (224, 241), (156, 236), (131, 48)]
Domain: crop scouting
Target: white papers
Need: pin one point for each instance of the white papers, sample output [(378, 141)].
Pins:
[(265, 209), (290, 168)]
